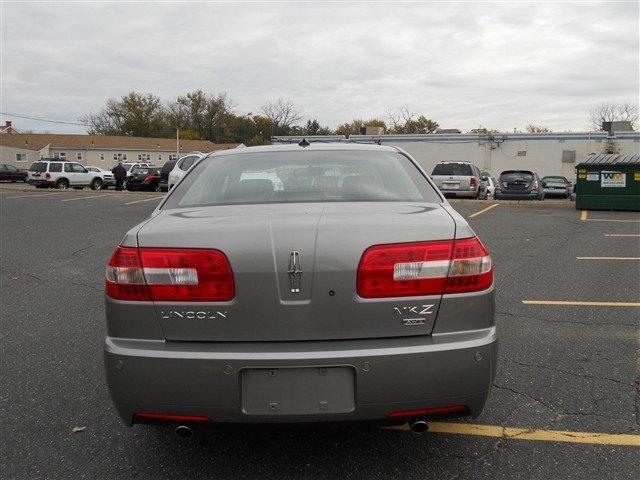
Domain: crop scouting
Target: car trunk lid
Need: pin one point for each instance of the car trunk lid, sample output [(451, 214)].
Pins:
[(295, 268)]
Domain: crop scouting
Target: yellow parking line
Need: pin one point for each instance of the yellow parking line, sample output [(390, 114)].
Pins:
[(581, 304), (583, 215), (483, 210), (622, 234), (533, 434), (145, 200), (608, 258), (88, 197), (33, 195), (612, 220)]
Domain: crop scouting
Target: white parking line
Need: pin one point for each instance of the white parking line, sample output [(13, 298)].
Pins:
[(33, 195), (622, 234), (145, 200), (88, 197), (608, 258)]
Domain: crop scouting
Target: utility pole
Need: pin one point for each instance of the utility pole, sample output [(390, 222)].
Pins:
[(177, 143)]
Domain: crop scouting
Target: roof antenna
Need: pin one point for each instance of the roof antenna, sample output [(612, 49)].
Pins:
[(304, 143)]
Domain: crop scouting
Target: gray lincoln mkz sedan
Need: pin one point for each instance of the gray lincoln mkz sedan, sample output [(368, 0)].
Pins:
[(300, 283)]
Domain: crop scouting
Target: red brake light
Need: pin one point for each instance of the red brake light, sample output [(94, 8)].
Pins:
[(424, 268), (425, 412), (170, 274), (148, 178), (47, 176), (170, 417), (472, 182), (534, 185)]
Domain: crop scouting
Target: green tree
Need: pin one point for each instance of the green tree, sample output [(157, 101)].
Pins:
[(135, 114)]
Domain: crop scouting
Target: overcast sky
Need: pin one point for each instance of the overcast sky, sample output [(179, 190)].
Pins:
[(500, 65)]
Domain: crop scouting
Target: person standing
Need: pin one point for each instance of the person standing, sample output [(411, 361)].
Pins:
[(119, 173)]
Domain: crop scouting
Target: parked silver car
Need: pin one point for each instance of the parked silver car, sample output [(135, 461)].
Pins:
[(300, 283), (459, 179)]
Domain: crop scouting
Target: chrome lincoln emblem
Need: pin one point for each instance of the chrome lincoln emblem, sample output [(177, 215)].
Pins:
[(295, 272)]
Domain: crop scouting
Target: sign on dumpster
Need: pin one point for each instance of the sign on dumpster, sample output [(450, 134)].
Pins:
[(613, 179)]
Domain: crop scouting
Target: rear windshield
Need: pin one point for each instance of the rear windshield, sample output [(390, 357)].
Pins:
[(38, 167), (294, 177), (452, 169), (516, 176), (555, 180)]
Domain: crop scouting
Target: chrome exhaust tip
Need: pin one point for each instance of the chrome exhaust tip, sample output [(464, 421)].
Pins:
[(419, 427), (184, 432)]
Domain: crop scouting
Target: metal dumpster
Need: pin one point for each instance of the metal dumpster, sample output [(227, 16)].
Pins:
[(608, 182)]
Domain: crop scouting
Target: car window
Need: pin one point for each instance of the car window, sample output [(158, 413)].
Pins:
[(511, 176), (55, 167), (293, 177), (38, 167), (554, 180), (452, 169), (11, 168), (186, 163), (77, 168)]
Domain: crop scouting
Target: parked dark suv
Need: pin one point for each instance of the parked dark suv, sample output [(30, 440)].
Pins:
[(519, 185), (164, 174)]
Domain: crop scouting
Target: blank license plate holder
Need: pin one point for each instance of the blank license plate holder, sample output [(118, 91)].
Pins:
[(298, 391)]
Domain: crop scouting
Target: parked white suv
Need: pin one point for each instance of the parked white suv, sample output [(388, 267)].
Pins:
[(108, 180), (182, 166), (54, 173)]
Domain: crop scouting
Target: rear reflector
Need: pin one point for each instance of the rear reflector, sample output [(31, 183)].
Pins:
[(425, 412), (169, 274), (424, 268), (169, 417)]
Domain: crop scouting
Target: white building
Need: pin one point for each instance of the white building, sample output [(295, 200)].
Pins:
[(544, 153)]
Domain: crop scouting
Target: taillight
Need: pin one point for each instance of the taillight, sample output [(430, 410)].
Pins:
[(472, 182), (169, 274), (470, 267), (534, 185), (47, 176), (424, 268), (148, 178)]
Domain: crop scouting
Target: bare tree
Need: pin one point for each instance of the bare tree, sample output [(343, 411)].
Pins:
[(531, 128), (398, 118), (612, 112), (282, 113)]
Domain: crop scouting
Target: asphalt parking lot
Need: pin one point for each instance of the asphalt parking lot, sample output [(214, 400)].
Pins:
[(566, 397)]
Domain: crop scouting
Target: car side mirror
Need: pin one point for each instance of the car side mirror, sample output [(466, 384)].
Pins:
[(485, 178), (544, 184)]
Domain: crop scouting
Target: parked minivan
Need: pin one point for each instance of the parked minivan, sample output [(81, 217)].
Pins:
[(182, 167), (519, 185), (48, 173), (459, 179)]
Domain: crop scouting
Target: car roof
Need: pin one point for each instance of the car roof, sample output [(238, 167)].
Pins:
[(315, 146)]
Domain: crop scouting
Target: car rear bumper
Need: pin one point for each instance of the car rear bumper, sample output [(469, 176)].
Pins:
[(389, 375), (516, 195), (556, 193), (42, 183), (460, 193)]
